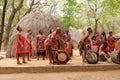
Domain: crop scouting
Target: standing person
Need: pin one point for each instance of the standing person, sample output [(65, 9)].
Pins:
[(85, 45), (19, 45), (111, 42), (40, 45), (55, 42), (28, 45), (67, 44), (48, 47), (55, 39), (103, 51), (52, 44)]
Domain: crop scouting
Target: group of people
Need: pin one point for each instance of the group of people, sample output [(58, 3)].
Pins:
[(46, 45), (98, 43)]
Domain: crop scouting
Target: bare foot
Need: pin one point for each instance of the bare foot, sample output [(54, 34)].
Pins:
[(19, 63), (29, 60), (24, 62)]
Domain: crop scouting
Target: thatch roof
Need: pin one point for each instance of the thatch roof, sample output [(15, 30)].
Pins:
[(34, 21), (117, 36)]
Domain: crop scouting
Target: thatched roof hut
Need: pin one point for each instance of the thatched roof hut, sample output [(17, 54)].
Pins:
[(35, 21)]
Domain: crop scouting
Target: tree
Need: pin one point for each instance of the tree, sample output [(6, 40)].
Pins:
[(10, 21), (2, 22), (71, 7)]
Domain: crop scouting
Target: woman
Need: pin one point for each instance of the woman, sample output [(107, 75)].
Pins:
[(19, 45), (40, 45), (28, 46)]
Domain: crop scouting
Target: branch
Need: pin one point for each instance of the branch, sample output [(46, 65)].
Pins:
[(20, 5), (12, 4), (31, 5), (36, 2)]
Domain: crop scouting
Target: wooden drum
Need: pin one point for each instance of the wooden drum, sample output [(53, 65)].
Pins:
[(115, 57), (61, 57), (92, 57)]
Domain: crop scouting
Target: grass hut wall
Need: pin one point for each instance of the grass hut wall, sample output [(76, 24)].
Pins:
[(34, 21)]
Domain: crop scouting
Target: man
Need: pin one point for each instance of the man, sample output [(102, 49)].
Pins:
[(52, 44), (85, 45), (67, 44)]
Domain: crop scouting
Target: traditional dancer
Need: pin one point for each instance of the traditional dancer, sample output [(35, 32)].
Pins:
[(85, 45), (19, 46), (52, 44), (40, 45), (28, 45)]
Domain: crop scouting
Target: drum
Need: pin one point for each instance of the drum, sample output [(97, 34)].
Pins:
[(115, 57), (92, 57), (61, 57), (117, 45)]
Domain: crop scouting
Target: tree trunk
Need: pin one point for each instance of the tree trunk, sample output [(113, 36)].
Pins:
[(7, 33), (10, 21), (2, 23), (96, 25)]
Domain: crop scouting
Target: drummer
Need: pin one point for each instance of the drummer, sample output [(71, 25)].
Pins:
[(67, 44), (52, 44), (103, 51), (85, 45), (55, 40)]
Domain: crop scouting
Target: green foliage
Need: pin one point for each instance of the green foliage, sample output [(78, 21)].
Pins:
[(71, 7)]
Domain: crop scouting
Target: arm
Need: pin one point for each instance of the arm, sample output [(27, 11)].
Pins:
[(18, 39), (26, 37)]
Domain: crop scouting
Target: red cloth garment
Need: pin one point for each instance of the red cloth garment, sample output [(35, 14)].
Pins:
[(18, 48), (67, 48), (48, 41), (40, 43), (28, 46), (111, 43), (55, 39)]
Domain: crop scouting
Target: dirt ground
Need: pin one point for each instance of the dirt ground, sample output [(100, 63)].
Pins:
[(99, 75), (75, 60)]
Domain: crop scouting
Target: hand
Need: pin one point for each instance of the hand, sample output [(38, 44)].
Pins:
[(22, 45)]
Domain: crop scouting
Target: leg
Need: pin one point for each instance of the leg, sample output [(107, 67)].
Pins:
[(53, 55), (17, 57), (37, 55), (83, 57), (28, 56), (48, 52), (106, 58), (43, 55), (23, 58)]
